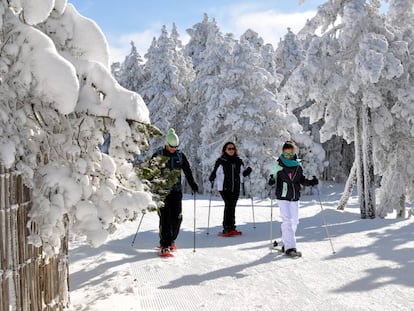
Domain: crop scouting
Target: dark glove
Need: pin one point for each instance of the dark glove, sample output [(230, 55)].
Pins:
[(247, 171), (314, 181), (194, 187), (272, 180), (212, 177)]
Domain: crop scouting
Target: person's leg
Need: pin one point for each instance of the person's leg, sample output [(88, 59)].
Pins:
[(165, 228), (176, 215), (227, 210), (289, 215), (232, 209), (294, 211)]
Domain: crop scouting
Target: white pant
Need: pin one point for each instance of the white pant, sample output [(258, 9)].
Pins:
[(289, 212)]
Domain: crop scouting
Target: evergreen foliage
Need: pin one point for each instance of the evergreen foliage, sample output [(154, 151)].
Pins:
[(344, 81)]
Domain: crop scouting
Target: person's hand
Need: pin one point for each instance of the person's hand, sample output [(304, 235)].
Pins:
[(314, 181), (194, 187), (272, 180), (212, 177), (247, 171)]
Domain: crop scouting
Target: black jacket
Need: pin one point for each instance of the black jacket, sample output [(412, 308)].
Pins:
[(231, 168), (288, 181)]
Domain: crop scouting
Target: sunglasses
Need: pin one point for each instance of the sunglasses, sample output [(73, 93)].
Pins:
[(231, 148), (287, 154), (172, 146)]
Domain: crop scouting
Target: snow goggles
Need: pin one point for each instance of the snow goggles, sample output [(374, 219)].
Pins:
[(287, 154)]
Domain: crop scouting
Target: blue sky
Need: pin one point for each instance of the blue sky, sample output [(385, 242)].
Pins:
[(140, 21)]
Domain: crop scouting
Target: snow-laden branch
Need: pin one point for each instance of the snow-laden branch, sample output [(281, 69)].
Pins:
[(57, 93)]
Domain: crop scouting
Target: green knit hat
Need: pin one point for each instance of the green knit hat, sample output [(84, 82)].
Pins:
[(172, 138)]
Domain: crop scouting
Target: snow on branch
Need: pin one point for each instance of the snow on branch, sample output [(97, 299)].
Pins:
[(57, 102)]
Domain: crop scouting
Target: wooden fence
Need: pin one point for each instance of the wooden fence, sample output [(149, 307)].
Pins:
[(28, 280)]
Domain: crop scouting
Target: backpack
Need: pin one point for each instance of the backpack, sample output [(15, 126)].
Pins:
[(179, 156)]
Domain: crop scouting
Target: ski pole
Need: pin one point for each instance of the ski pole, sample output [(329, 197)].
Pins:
[(271, 224), (250, 190), (324, 221), (139, 225), (209, 207), (194, 249)]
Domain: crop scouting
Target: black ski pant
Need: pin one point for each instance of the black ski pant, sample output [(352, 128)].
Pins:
[(230, 200), (170, 218)]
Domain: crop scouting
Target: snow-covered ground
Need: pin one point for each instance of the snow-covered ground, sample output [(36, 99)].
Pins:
[(373, 268)]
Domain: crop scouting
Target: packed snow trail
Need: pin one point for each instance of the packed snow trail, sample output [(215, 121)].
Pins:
[(371, 270)]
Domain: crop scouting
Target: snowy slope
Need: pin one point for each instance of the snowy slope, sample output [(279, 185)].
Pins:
[(371, 270)]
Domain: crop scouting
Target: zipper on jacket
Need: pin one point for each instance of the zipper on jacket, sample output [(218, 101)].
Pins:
[(293, 186)]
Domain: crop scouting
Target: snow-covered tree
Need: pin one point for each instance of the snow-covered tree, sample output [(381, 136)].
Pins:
[(241, 108), (199, 35), (344, 73), (205, 71), (57, 98), (394, 156), (288, 56), (166, 90), (131, 73)]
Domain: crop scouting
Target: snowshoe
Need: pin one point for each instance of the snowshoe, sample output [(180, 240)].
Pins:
[(225, 233), (230, 233), (235, 232), (292, 252), (173, 247), (165, 252)]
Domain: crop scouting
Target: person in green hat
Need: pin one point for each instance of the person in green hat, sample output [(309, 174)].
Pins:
[(171, 213)]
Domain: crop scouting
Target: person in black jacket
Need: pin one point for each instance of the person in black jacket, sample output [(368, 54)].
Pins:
[(287, 174), (228, 170), (171, 213)]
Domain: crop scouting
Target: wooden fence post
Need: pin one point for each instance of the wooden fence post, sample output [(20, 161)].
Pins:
[(28, 280)]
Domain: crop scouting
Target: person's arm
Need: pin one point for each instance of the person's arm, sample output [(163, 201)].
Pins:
[(245, 171), (189, 174), (213, 175), (220, 178), (307, 182)]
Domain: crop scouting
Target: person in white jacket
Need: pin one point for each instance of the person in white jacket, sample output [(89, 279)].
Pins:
[(228, 170)]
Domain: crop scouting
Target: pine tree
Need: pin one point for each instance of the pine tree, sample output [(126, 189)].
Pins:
[(166, 91), (394, 154), (59, 99), (242, 109), (131, 74), (344, 72), (205, 72)]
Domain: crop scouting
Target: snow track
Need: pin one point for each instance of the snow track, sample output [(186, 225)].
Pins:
[(372, 269), (162, 286)]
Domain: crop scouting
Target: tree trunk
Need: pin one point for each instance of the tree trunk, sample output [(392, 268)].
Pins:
[(401, 208), (368, 162), (349, 186), (360, 165)]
